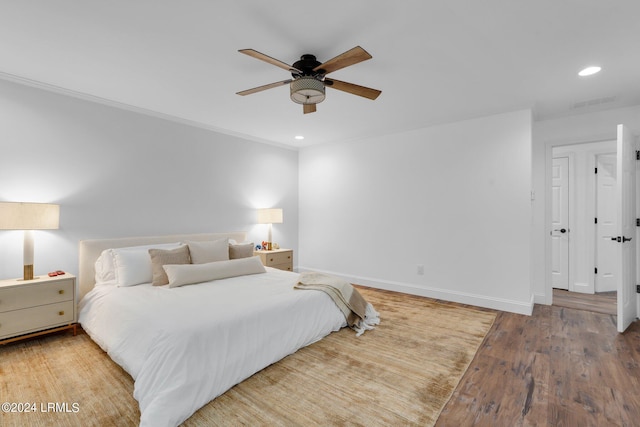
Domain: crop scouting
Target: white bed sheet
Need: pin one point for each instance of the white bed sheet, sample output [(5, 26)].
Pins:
[(185, 346)]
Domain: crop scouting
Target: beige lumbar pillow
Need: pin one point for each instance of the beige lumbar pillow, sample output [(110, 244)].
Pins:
[(240, 250), (188, 274), (209, 251), (160, 257)]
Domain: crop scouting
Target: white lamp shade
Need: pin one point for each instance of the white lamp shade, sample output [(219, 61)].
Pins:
[(29, 216), (270, 216)]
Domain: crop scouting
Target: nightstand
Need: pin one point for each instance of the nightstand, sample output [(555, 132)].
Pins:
[(277, 258), (30, 308)]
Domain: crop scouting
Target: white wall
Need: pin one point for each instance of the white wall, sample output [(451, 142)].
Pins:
[(119, 173), (371, 210), (454, 198), (584, 128)]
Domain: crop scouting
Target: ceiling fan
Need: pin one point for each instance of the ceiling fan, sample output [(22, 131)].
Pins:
[(309, 79)]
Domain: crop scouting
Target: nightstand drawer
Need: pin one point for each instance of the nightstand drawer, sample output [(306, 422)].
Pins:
[(36, 294), (36, 318), (276, 258), (286, 266)]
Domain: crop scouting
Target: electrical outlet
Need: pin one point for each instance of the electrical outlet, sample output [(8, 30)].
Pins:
[(420, 269)]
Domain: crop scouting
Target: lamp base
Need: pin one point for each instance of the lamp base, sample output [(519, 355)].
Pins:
[(28, 272)]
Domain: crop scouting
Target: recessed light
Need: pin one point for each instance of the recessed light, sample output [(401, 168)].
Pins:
[(299, 137), (589, 71)]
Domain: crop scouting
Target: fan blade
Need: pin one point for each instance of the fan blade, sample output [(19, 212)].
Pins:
[(354, 89), (350, 57), (267, 58), (264, 87), (308, 108)]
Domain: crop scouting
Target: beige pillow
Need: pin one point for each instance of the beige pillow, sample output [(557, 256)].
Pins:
[(180, 275), (160, 257), (240, 250), (209, 251)]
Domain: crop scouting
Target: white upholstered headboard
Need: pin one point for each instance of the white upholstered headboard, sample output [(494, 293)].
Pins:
[(90, 250)]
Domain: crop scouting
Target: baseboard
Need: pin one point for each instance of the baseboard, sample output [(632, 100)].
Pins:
[(437, 293), (540, 299)]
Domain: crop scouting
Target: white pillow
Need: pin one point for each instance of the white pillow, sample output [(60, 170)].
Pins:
[(209, 251), (105, 270), (187, 274), (132, 265)]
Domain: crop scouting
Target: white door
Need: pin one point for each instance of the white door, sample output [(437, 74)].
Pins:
[(560, 223), (626, 206), (606, 225)]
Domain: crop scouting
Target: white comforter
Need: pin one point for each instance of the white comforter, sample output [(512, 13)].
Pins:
[(185, 346)]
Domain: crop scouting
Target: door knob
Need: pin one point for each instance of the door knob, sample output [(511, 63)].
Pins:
[(562, 230), (621, 239)]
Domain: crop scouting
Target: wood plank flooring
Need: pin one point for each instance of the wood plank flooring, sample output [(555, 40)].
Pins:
[(559, 367), (605, 302)]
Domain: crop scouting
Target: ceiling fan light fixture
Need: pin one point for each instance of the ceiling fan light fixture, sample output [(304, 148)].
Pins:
[(307, 83), (307, 90)]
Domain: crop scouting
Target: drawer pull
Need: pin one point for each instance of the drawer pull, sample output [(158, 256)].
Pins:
[(61, 291), (271, 259), (61, 313)]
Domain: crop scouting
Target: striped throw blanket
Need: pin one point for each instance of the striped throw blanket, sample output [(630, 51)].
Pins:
[(360, 314)]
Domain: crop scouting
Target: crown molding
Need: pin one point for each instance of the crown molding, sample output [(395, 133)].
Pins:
[(134, 109)]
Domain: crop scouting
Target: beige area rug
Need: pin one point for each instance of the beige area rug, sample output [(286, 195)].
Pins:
[(401, 373)]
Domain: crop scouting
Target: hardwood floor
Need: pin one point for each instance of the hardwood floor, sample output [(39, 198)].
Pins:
[(559, 367), (604, 302)]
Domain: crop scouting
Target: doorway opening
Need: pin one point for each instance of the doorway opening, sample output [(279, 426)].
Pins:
[(583, 267)]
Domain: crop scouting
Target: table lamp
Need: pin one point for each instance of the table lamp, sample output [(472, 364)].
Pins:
[(269, 216), (28, 217)]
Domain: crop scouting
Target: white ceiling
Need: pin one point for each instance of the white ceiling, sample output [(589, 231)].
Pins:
[(435, 61)]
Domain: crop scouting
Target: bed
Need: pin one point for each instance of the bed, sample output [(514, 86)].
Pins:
[(186, 345)]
